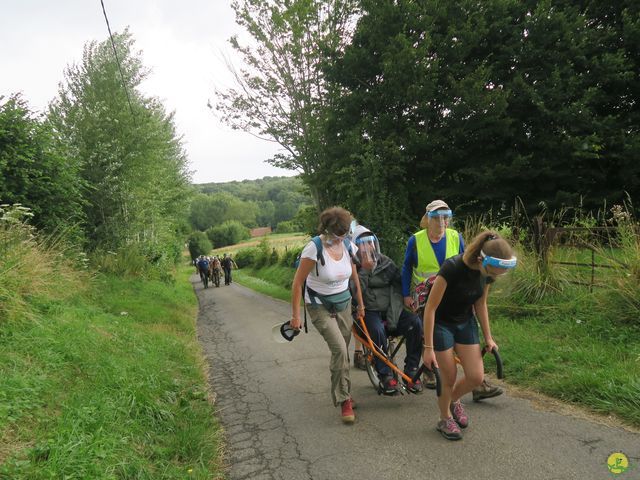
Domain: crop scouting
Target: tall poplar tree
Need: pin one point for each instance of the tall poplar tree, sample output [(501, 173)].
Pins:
[(130, 155)]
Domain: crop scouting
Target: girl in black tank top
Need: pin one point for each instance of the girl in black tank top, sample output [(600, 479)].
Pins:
[(458, 296)]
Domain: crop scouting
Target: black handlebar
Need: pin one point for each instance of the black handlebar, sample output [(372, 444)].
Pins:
[(494, 351)]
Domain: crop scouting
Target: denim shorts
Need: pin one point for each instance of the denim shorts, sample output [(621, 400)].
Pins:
[(446, 335)]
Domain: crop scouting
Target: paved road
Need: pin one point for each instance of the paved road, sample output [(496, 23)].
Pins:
[(273, 402)]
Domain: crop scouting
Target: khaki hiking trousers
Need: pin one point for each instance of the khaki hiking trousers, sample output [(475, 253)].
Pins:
[(337, 333)]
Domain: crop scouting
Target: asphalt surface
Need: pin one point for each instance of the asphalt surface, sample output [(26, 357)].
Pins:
[(274, 404)]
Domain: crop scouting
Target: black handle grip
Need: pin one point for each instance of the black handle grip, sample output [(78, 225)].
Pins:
[(436, 373), (499, 367)]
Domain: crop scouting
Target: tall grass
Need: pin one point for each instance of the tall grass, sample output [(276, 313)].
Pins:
[(34, 267), (622, 293), (108, 384)]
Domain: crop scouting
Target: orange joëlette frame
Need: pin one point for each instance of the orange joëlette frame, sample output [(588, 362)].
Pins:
[(375, 349)]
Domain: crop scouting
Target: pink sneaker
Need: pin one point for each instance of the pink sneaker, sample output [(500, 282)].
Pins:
[(449, 429), (459, 415)]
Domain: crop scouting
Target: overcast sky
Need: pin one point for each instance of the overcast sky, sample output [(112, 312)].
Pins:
[(183, 42)]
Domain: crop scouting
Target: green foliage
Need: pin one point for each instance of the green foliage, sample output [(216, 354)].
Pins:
[(263, 258), (265, 202), (307, 218), (289, 226), (215, 209), (34, 266), (37, 171), (129, 155), (277, 199), (107, 385), (531, 282), (246, 257), (479, 102), (198, 244), (138, 259), (227, 233), (621, 298), (288, 258), (281, 94)]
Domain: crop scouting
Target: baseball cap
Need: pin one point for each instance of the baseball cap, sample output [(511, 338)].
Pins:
[(437, 205)]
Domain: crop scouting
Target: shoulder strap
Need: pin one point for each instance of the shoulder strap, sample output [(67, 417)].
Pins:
[(347, 243), (319, 255), (318, 243)]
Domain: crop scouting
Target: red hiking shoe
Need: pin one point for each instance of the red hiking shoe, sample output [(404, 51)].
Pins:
[(347, 412)]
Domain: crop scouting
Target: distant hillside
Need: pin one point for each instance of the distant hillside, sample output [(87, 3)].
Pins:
[(264, 202), (263, 189)]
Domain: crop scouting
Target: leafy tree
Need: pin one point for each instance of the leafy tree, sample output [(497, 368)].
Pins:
[(198, 244), (281, 94), (36, 170), (215, 209), (227, 233), (272, 199), (480, 102), (130, 156)]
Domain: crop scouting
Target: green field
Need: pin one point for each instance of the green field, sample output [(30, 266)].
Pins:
[(279, 241)]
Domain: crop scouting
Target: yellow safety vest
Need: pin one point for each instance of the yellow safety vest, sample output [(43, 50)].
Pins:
[(427, 261)]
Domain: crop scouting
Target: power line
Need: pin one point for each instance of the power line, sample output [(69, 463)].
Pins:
[(115, 53)]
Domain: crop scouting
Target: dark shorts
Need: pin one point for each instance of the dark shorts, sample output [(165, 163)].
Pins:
[(446, 335)]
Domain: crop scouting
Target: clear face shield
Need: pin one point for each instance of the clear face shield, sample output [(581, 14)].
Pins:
[(439, 219), (368, 251), (333, 241)]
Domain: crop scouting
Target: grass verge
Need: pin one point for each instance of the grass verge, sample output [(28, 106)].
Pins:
[(264, 281), (106, 385)]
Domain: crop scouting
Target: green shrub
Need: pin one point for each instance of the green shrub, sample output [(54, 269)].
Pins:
[(307, 219), (288, 258), (288, 226), (33, 266), (198, 244), (246, 257), (274, 258), (264, 255), (228, 233)]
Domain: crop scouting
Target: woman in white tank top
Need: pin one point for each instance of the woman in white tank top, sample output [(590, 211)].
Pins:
[(327, 297)]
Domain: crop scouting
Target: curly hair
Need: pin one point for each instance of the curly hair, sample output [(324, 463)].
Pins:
[(335, 220)]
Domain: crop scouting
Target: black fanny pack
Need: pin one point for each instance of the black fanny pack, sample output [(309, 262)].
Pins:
[(334, 303)]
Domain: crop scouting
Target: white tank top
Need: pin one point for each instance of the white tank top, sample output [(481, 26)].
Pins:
[(334, 276)]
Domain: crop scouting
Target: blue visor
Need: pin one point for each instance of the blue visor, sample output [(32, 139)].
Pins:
[(440, 213), (367, 239), (498, 262)]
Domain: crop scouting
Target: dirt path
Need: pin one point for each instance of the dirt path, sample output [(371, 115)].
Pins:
[(273, 402)]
